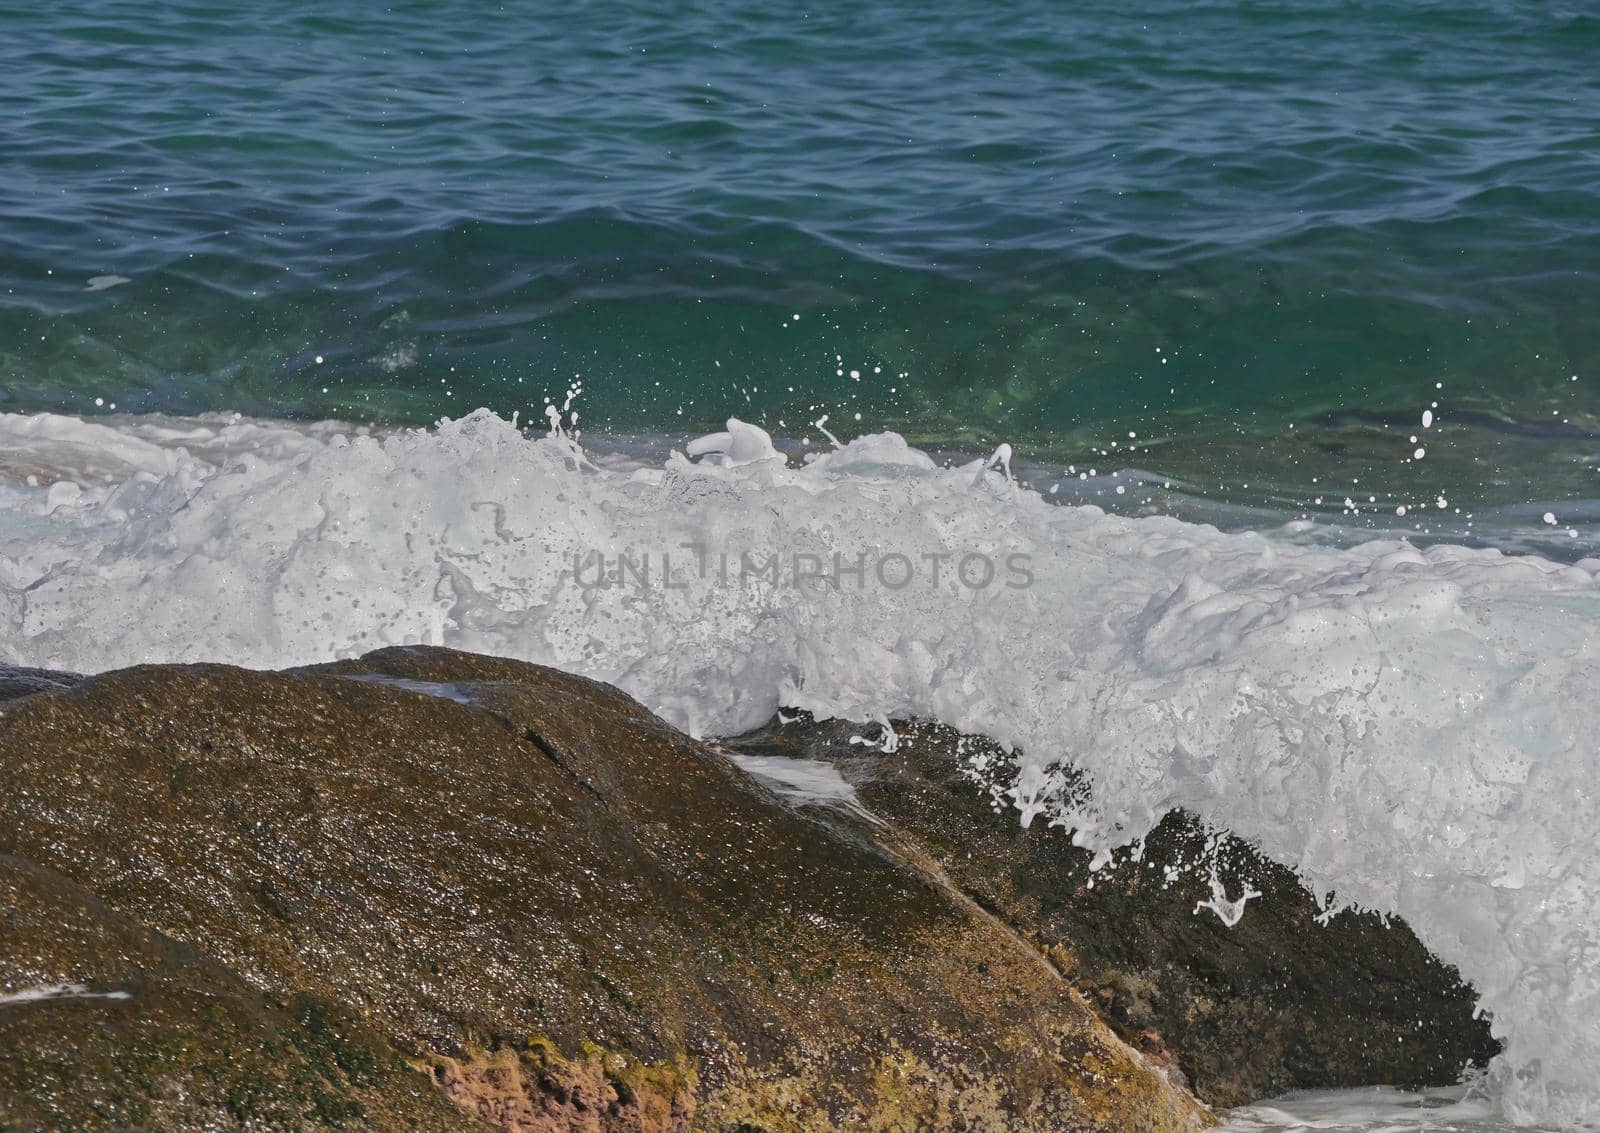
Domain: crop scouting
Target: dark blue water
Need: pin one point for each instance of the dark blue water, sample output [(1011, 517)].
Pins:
[(1263, 236)]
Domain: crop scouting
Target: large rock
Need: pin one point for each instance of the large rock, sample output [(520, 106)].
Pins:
[(1278, 1001), (345, 895)]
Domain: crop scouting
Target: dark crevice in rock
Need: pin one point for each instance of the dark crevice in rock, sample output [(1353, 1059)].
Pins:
[(550, 752)]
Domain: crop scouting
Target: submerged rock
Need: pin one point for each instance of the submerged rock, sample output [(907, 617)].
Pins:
[(1278, 1001), (429, 890)]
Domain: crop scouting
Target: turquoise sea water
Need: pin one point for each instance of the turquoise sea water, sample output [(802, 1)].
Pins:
[(1264, 236)]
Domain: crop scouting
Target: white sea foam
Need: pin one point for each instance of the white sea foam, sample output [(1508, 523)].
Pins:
[(57, 991), (811, 782), (441, 689), (1378, 1110), (1414, 730)]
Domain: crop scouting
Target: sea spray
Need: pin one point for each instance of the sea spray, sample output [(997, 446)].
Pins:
[(1409, 728)]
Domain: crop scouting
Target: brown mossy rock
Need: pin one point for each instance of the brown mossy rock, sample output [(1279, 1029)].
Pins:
[(520, 879), (1277, 1002), (533, 1088), (152, 1035)]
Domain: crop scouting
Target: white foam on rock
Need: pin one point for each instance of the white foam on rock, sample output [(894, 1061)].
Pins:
[(1377, 1110), (58, 991), (809, 782), (1413, 730), (442, 690)]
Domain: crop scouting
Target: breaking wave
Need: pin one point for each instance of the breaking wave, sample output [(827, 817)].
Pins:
[(1412, 729)]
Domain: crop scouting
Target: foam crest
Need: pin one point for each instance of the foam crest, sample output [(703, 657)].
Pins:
[(1412, 729)]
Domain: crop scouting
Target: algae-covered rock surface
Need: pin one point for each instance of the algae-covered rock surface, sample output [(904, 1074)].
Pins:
[(434, 891), (106, 1023), (1283, 999)]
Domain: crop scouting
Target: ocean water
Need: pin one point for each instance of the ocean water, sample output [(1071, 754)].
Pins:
[(1285, 311), (1053, 225)]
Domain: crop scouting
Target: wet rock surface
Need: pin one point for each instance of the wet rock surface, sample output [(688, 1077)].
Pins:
[(429, 890), (1276, 1002), (106, 1023), (18, 682)]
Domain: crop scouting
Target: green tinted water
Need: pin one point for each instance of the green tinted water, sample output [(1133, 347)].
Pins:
[(1260, 236)]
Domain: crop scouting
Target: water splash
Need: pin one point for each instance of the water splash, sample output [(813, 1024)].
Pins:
[(1409, 728)]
